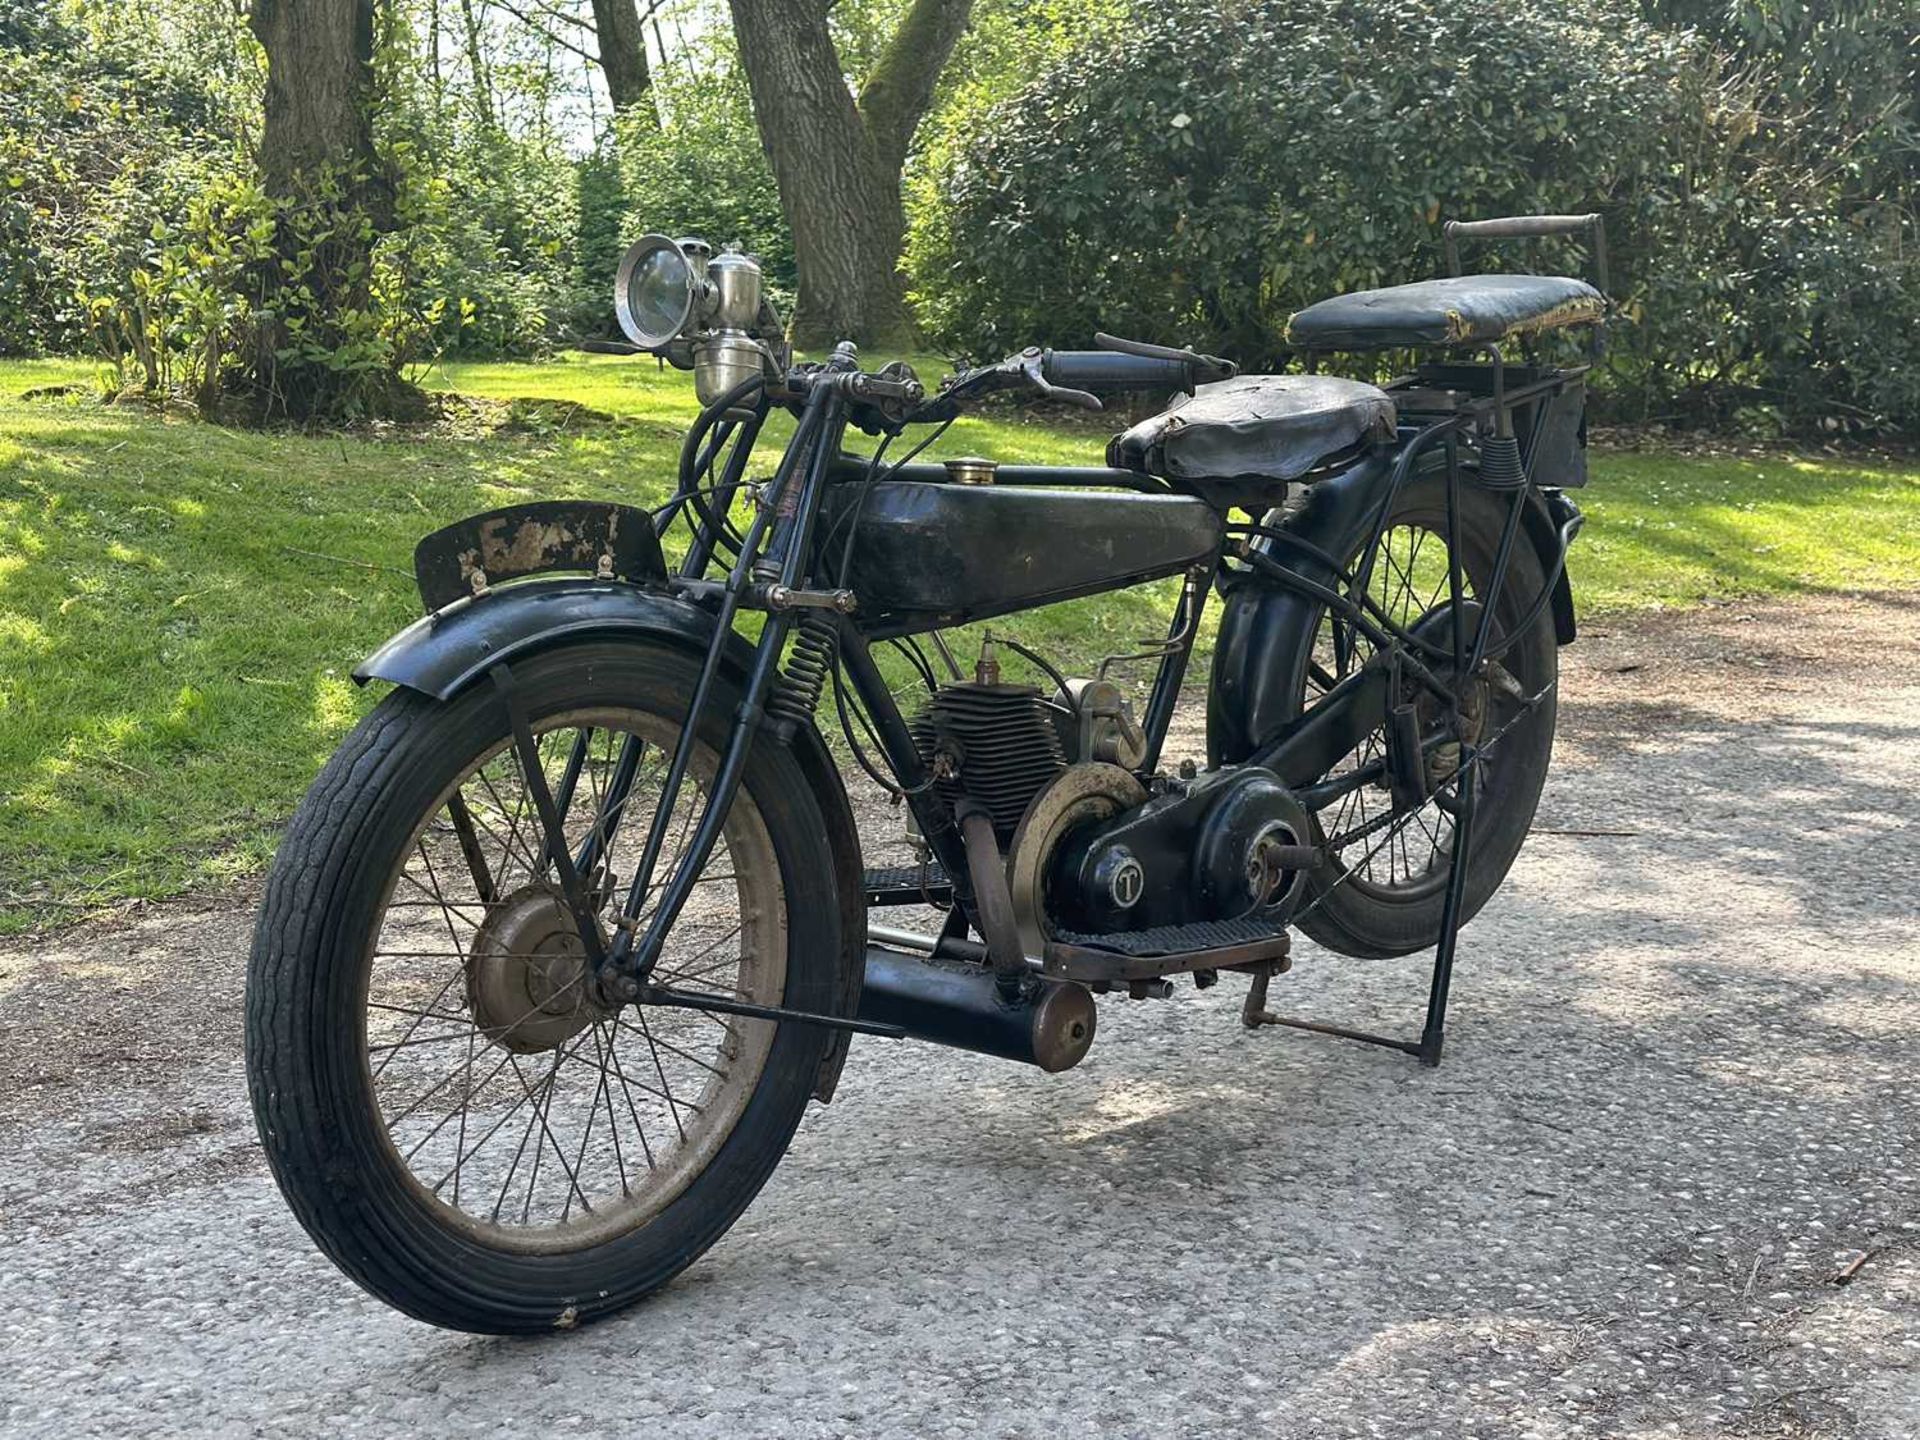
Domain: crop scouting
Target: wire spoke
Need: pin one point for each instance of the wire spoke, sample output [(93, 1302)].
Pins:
[(438, 996), (620, 1074), (464, 942), (435, 898), (646, 1033), (546, 1130), (613, 1120), (691, 1059)]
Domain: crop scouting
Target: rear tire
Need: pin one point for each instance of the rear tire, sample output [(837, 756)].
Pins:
[(317, 1094), (1357, 914)]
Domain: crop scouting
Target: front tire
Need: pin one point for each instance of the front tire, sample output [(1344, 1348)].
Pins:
[(397, 1087)]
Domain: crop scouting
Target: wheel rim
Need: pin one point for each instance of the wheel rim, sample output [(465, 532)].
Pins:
[(1398, 862), (520, 1108)]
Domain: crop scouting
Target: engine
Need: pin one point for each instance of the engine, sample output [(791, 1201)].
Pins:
[(1090, 849)]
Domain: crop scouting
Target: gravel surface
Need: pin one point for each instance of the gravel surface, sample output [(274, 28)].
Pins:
[(1678, 1100)]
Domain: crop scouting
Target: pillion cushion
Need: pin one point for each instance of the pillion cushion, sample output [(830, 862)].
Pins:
[(1276, 427), (1461, 310)]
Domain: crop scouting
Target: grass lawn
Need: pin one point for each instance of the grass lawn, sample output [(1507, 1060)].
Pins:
[(180, 604)]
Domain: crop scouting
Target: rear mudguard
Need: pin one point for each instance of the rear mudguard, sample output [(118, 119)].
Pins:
[(1267, 632), (443, 654)]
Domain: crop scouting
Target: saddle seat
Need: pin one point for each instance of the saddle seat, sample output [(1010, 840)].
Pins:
[(1459, 310), (1240, 441)]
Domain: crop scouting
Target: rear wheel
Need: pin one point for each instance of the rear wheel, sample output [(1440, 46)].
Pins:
[(1383, 893), (458, 1119)]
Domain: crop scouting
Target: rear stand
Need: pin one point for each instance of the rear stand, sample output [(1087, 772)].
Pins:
[(1427, 1048)]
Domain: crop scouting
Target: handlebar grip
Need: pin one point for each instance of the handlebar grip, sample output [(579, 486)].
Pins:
[(1522, 227), (1512, 227), (1112, 370)]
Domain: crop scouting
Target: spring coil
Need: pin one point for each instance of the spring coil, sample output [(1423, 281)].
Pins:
[(1500, 464), (809, 663)]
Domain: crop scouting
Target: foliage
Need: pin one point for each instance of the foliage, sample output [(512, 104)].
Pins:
[(1204, 169), (1787, 289), (1210, 167), (127, 179), (699, 170), (488, 241), (1192, 169), (98, 144)]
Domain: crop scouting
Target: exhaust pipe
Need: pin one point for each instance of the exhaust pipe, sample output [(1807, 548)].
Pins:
[(954, 1002)]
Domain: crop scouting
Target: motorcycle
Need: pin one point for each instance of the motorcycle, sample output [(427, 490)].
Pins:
[(572, 927)]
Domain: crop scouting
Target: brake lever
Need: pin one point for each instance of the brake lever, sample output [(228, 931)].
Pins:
[(1032, 365), (1207, 368), (1016, 372)]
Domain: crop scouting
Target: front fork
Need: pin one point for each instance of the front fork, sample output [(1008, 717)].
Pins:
[(770, 570)]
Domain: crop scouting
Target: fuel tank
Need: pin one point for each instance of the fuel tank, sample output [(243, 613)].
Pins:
[(930, 555)]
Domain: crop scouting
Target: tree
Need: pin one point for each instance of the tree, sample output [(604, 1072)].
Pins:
[(622, 42), (619, 35), (838, 158), (317, 350)]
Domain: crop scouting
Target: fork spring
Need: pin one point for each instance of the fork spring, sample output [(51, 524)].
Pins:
[(809, 663)]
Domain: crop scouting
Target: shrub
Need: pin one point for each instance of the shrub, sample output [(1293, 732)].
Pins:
[(1216, 165), (95, 150), (1212, 166)]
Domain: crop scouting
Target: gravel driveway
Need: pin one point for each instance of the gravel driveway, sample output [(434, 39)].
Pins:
[(1679, 1099)]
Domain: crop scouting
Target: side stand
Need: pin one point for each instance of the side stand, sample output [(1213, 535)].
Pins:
[(1433, 1036)]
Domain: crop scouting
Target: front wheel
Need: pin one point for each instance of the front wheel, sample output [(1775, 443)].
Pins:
[(1385, 889), (453, 1113)]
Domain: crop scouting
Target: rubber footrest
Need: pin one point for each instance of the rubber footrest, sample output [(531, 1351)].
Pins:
[(1177, 939), (906, 884)]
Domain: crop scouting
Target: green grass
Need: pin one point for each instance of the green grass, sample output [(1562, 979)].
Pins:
[(180, 604)]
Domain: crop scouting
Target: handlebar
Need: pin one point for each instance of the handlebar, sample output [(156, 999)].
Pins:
[(1071, 376), (1510, 227)]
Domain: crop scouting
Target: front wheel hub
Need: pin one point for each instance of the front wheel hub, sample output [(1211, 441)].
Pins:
[(528, 978)]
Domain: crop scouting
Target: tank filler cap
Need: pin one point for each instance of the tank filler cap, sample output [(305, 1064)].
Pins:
[(971, 470)]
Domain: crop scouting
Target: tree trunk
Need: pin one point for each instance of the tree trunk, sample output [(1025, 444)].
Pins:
[(477, 66), (838, 169), (319, 82), (622, 40), (334, 200)]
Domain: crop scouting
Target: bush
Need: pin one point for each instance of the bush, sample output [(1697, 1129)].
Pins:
[(1217, 164), (1782, 273), (95, 151), (484, 242)]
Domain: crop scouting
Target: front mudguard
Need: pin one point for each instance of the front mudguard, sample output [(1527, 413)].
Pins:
[(1267, 630), (444, 653)]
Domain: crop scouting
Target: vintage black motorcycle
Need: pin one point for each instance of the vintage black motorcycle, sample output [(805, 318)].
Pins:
[(569, 931)]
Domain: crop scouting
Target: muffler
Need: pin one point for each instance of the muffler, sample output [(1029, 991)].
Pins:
[(1048, 1023)]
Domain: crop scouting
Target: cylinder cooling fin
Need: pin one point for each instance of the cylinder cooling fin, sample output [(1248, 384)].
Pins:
[(994, 744)]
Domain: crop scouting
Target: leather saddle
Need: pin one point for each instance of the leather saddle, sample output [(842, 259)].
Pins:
[(1237, 441), (1459, 310)]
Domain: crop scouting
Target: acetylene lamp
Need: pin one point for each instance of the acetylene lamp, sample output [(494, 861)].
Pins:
[(702, 311)]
